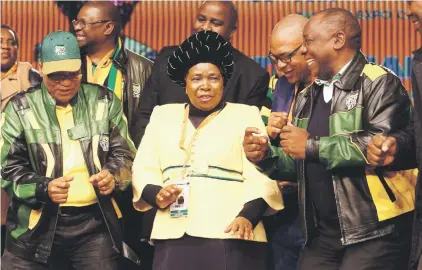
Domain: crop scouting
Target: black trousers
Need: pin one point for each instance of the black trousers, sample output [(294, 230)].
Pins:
[(390, 252), (81, 241), (194, 253)]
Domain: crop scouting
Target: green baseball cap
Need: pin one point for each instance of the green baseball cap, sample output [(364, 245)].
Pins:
[(60, 52)]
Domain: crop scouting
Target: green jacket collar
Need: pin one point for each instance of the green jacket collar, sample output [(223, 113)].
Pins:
[(352, 74)]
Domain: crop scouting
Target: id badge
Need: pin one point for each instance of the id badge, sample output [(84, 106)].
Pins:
[(180, 207)]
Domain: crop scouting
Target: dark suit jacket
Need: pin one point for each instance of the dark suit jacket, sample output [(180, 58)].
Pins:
[(248, 85)]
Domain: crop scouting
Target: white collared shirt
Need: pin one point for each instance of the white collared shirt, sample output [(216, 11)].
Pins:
[(328, 89)]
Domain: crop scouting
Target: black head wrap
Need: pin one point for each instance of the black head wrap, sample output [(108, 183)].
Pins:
[(202, 47)]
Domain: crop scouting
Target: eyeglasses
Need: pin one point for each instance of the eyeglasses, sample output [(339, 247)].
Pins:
[(84, 24), (9, 43), (59, 78), (286, 58)]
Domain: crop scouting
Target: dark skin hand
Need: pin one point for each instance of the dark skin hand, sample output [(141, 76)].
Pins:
[(167, 196), (254, 146), (381, 150), (105, 182), (276, 122), (293, 141), (58, 189), (242, 227)]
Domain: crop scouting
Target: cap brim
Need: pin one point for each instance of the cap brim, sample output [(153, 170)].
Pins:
[(69, 65)]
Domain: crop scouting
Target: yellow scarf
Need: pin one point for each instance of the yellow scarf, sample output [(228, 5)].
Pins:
[(102, 71)]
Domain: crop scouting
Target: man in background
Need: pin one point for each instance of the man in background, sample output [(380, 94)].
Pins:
[(15, 77), (285, 235)]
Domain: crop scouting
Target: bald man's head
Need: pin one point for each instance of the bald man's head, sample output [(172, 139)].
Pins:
[(339, 19), (285, 42), (289, 29)]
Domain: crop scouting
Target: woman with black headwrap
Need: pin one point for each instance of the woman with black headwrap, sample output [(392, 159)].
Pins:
[(192, 167)]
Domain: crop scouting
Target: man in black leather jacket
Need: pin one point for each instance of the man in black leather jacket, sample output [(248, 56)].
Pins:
[(353, 215), (104, 60)]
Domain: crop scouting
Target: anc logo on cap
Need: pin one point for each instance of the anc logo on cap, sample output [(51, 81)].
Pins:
[(60, 53), (60, 50)]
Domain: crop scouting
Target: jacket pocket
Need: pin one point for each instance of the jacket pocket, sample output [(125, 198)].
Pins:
[(34, 218)]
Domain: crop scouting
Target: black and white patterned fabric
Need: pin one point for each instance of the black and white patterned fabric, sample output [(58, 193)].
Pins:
[(202, 47)]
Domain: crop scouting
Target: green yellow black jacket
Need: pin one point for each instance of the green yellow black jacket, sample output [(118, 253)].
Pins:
[(367, 100), (31, 156)]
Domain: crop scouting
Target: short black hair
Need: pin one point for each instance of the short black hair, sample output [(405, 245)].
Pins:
[(233, 11), (340, 19), (111, 12), (13, 31)]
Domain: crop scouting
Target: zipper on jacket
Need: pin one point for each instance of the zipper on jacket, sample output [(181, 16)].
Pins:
[(303, 194), (99, 204), (98, 201)]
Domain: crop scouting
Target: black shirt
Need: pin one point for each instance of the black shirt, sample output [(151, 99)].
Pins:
[(319, 179)]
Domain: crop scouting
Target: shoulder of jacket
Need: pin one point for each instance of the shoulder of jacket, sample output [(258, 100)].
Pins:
[(34, 72), (305, 90), (167, 50), (373, 72), (246, 63), (133, 56), (20, 100), (95, 91), (242, 109), (168, 109)]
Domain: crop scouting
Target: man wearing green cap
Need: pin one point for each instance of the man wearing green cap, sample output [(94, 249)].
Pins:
[(65, 152)]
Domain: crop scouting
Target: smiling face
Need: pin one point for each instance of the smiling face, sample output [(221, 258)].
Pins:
[(215, 16), (91, 34), (414, 12), (296, 69), (319, 48), (204, 86)]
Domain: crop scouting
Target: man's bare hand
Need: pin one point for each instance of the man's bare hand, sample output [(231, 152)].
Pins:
[(254, 145), (276, 122), (105, 182), (381, 150), (58, 189)]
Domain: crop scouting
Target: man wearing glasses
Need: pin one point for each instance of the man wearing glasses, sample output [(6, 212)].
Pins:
[(346, 207), (65, 152), (104, 59), (294, 74)]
